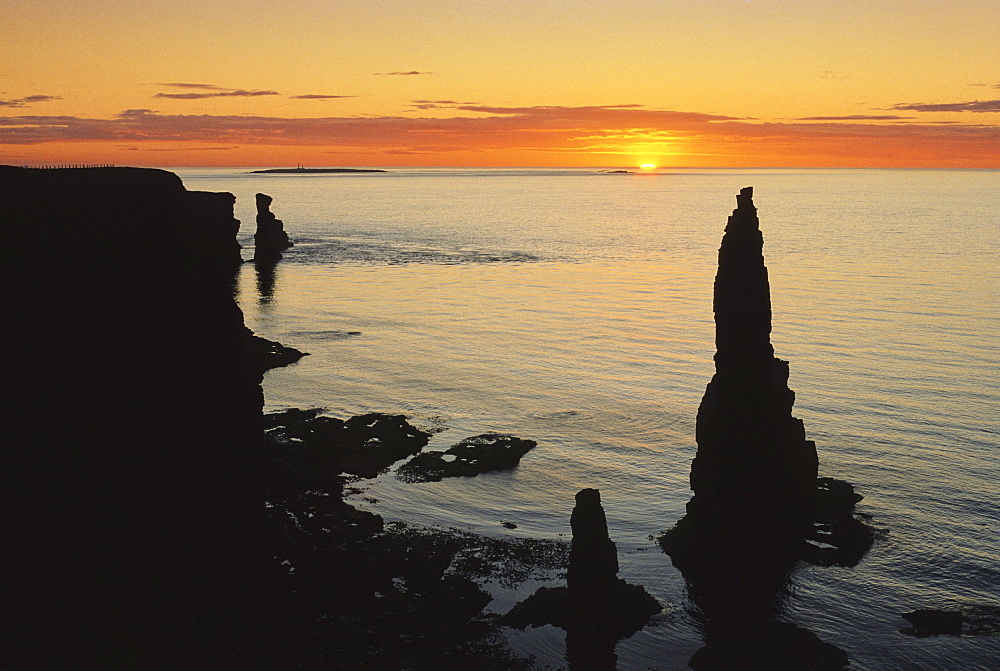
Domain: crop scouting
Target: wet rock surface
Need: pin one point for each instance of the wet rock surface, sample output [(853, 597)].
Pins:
[(471, 456)]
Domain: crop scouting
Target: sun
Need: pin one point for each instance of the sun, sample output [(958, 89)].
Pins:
[(648, 166)]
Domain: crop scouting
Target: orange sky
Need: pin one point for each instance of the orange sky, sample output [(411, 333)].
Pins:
[(728, 83)]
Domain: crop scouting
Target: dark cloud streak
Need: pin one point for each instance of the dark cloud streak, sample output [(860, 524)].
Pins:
[(973, 106), (27, 100), (318, 96), (228, 93)]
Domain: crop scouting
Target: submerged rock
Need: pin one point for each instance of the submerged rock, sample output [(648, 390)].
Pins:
[(270, 239), (470, 456)]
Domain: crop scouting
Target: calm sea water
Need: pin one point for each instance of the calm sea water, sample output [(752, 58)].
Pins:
[(575, 308)]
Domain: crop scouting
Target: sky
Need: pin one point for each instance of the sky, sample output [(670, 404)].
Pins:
[(382, 83)]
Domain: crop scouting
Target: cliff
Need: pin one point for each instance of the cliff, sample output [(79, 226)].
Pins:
[(132, 424)]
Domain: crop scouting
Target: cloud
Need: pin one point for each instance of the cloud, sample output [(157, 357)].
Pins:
[(974, 106), (437, 104), (185, 149), (27, 100), (856, 117), (217, 93), (318, 96), (403, 74), (609, 130), (186, 85)]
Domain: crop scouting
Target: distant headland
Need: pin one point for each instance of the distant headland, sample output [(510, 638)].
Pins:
[(312, 171)]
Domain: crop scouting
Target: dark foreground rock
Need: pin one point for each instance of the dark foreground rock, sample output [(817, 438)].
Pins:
[(132, 502), (972, 620), (369, 595), (768, 646), (364, 445), (272, 354), (470, 456), (596, 608)]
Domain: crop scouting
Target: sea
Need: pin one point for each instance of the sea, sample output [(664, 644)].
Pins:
[(573, 307)]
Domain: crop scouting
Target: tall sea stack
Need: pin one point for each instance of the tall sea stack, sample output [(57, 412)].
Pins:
[(754, 465)]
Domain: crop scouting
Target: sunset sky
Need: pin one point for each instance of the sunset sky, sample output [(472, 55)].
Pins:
[(728, 83)]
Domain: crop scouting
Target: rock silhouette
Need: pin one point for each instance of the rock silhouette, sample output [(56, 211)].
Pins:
[(131, 409), (596, 608), (270, 239), (754, 465), (758, 506), (470, 456)]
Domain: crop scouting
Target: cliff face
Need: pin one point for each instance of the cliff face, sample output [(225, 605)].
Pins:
[(132, 420), (754, 464)]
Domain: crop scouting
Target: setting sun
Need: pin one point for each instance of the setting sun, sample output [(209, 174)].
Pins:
[(647, 166)]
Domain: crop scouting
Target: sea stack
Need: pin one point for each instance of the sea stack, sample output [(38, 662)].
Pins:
[(596, 608), (593, 560), (754, 467), (270, 239)]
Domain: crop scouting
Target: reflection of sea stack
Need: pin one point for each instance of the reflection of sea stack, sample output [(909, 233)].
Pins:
[(754, 465), (270, 239)]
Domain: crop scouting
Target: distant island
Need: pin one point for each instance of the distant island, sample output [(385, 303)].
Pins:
[(310, 171)]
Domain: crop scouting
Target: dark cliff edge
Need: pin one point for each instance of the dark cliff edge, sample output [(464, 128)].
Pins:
[(132, 425)]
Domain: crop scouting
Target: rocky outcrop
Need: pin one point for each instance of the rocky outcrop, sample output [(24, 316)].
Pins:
[(132, 425), (363, 445), (754, 465), (272, 354), (470, 456), (270, 239), (596, 608)]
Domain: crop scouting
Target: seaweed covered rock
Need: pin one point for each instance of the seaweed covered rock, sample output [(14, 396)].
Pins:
[(470, 456)]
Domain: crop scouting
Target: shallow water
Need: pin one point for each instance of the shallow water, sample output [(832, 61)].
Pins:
[(574, 308)]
